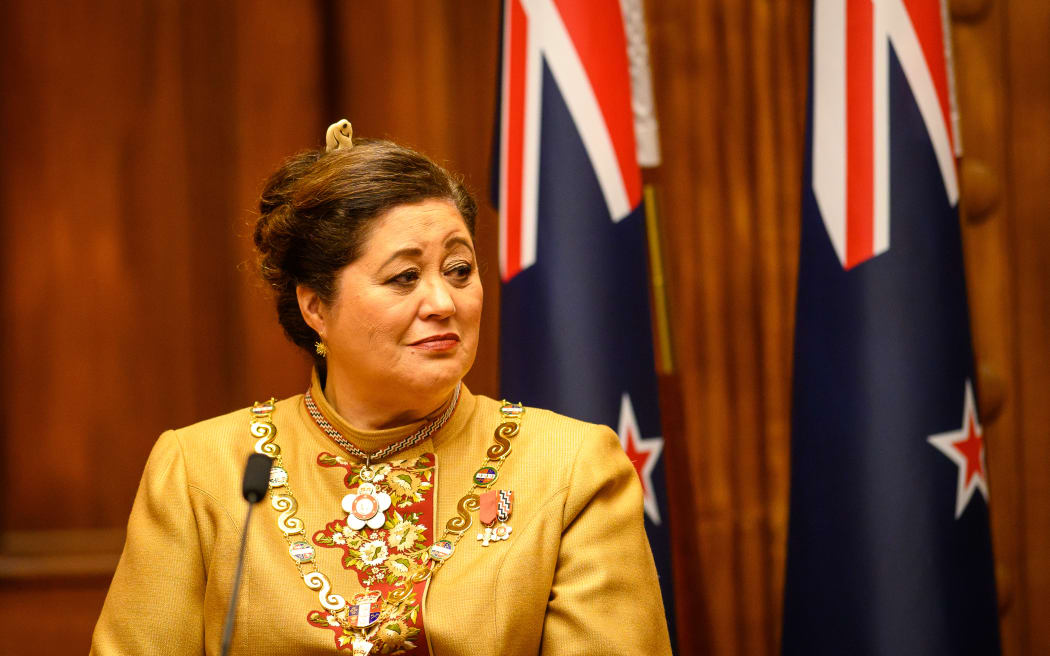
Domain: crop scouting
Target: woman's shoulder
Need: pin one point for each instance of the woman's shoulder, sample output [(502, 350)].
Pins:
[(552, 434), (548, 419), (210, 454), (230, 428), (559, 456)]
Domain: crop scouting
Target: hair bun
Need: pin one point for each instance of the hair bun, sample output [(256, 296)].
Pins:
[(273, 237)]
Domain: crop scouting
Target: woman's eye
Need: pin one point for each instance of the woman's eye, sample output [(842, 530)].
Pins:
[(460, 271), (405, 278)]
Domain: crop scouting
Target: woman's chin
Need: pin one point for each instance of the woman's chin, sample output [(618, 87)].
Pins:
[(439, 372), (437, 378)]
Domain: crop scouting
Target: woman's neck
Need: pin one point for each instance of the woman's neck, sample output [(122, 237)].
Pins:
[(371, 412)]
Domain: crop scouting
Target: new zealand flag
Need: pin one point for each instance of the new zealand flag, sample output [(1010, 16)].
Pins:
[(575, 326), (889, 550)]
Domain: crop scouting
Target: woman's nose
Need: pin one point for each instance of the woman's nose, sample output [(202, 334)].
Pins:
[(437, 301)]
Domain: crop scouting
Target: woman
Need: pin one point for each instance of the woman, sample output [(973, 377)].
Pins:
[(405, 514)]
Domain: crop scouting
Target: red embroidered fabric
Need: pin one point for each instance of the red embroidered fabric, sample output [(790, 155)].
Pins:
[(385, 558)]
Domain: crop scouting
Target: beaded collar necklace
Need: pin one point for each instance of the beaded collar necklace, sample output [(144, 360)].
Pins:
[(389, 450)]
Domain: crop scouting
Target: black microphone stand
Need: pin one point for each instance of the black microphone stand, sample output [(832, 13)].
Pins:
[(256, 482)]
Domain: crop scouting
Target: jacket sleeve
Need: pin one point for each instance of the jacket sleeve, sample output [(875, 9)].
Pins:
[(155, 602), (605, 597)]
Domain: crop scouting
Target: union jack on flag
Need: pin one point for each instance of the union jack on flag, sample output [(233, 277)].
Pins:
[(851, 111), (582, 45)]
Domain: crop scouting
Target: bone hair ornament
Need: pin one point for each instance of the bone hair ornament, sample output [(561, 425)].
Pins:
[(339, 135)]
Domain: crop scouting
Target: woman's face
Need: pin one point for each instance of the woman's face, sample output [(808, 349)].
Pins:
[(406, 317)]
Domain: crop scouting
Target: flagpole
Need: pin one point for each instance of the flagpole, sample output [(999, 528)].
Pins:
[(658, 283), (647, 144)]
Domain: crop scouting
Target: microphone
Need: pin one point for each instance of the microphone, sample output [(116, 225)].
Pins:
[(256, 482), (256, 478)]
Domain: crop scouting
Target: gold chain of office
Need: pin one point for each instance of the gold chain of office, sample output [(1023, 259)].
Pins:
[(283, 500)]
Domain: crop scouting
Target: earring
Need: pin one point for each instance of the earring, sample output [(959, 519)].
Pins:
[(321, 348)]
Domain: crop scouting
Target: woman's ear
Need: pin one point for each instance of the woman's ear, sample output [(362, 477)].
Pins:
[(312, 307)]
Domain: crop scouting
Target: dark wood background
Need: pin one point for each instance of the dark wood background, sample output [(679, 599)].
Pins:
[(136, 135)]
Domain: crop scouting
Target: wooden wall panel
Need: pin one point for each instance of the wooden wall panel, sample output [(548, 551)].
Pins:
[(1004, 97), (124, 231), (730, 86), (279, 106), (1027, 142), (127, 167)]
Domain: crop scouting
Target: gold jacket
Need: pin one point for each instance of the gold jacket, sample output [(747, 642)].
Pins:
[(576, 575)]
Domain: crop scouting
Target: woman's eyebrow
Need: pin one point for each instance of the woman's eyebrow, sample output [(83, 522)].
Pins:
[(410, 251), (457, 239)]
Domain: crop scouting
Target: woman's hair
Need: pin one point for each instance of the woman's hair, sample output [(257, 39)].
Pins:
[(316, 211)]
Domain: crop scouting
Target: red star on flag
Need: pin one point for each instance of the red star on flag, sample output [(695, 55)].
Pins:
[(965, 447), (643, 452)]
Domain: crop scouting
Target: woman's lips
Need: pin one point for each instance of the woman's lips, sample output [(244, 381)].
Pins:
[(437, 342)]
